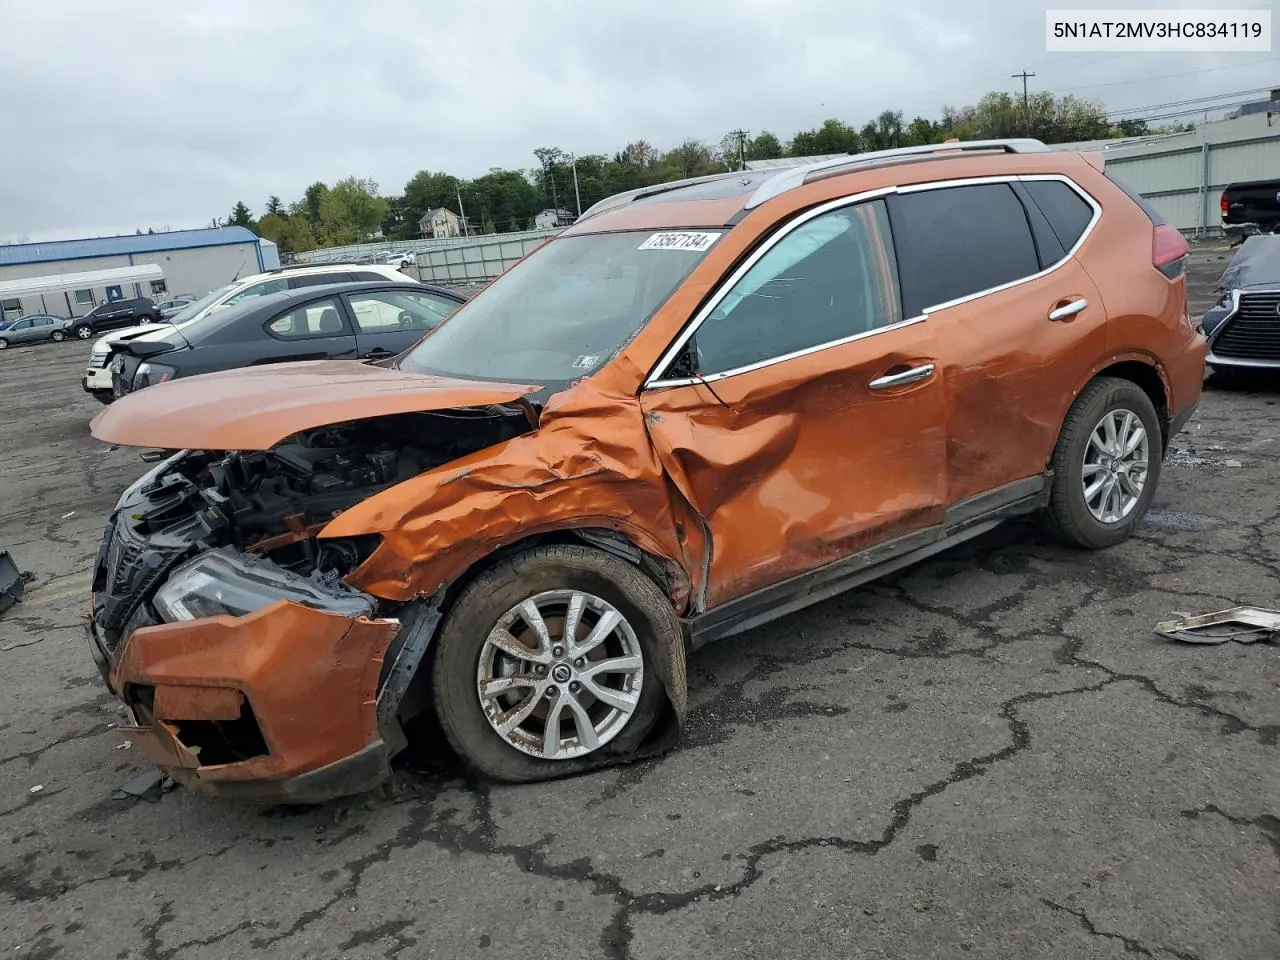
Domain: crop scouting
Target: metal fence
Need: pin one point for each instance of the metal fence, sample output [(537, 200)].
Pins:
[(447, 261), (1182, 175)]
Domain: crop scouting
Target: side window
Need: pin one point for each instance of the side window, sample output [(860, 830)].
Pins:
[(257, 290), (826, 280), (42, 321), (1067, 212), (958, 241), (367, 275), (320, 279), (10, 307), (319, 319), (387, 311), (22, 325)]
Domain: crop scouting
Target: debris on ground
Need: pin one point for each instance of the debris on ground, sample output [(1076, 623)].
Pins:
[(149, 786), (12, 583), (1241, 624), (37, 788)]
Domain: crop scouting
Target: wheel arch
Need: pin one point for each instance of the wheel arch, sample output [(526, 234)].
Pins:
[(407, 667), (1146, 373)]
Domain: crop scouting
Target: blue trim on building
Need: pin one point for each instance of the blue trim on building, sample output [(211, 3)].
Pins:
[(89, 249)]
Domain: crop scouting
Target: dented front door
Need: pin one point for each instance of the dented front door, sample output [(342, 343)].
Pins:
[(804, 421)]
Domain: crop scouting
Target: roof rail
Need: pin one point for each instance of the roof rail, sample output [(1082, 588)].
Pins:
[(794, 177), (618, 199)]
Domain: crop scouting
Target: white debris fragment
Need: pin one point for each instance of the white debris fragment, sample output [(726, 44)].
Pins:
[(37, 788), (68, 516), (124, 745)]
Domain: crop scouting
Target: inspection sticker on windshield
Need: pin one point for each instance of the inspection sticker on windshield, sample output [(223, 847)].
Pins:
[(684, 240), (585, 362)]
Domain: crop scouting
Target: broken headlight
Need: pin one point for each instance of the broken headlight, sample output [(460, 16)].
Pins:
[(149, 373), (224, 583)]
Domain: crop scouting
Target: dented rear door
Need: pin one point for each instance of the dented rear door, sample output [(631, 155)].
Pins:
[(804, 418)]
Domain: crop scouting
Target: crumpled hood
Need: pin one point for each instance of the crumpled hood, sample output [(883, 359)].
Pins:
[(256, 407)]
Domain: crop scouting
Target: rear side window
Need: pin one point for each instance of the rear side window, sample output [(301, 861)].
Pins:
[(367, 275), (958, 241), (323, 318), (1068, 213), (1136, 197)]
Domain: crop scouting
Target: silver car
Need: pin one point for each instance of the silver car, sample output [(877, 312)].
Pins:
[(174, 305), (33, 329)]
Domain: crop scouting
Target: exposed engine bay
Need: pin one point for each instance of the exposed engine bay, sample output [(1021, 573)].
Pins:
[(273, 502)]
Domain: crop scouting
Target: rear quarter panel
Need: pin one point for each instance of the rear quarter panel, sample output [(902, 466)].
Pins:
[(1147, 318)]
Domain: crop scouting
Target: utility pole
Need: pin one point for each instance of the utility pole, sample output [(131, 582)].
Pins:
[(1026, 105), (742, 147), (576, 195), (461, 214)]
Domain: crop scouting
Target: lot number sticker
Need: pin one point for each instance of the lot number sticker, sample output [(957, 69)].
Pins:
[(685, 240)]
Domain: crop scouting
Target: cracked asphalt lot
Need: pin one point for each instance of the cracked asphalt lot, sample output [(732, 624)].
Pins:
[(989, 755)]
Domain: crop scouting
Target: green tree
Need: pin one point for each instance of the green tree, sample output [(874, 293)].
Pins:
[(274, 206), (921, 132), (240, 216), (833, 136), (764, 146), (309, 205), (350, 211)]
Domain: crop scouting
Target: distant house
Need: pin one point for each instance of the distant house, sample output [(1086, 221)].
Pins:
[(439, 222), (548, 219)]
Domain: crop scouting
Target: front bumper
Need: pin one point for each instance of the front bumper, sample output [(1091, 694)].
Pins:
[(97, 380), (278, 704)]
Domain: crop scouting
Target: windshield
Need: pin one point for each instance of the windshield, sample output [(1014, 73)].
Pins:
[(563, 311), (189, 312)]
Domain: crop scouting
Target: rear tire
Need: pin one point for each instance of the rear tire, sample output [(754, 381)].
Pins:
[(1106, 465), (551, 577)]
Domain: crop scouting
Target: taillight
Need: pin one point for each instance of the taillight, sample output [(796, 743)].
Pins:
[(1224, 203), (1169, 251)]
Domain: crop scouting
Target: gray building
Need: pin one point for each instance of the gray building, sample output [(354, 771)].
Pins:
[(70, 277)]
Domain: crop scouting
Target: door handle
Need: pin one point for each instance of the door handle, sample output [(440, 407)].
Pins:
[(1068, 310), (378, 353), (913, 375)]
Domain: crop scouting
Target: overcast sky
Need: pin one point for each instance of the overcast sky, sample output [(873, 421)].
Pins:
[(139, 113)]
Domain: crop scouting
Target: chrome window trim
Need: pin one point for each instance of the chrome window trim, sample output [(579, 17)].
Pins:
[(1025, 178), (654, 382)]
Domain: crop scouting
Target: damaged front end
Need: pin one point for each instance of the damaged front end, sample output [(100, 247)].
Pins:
[(226, 623)]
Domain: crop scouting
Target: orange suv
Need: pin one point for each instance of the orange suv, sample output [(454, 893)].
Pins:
[(704, 405)]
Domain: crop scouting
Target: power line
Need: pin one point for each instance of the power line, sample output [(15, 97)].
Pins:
[(1183, 103), (1168, 76)]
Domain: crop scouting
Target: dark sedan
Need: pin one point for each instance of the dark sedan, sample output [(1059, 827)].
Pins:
[(342, 321)]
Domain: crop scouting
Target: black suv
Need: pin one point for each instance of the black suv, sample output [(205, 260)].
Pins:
[(116, 313)]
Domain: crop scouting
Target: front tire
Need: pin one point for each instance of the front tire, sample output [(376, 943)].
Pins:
[(4, 344), (549, 662), (58, 336), (83, 332), (1106, 465)]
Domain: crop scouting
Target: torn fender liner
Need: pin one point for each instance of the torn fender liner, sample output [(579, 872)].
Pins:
[(256, 407), (1241, 624), (308, 678)]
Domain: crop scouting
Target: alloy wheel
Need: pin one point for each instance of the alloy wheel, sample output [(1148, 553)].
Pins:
[(560, 674), (1116, 462)]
